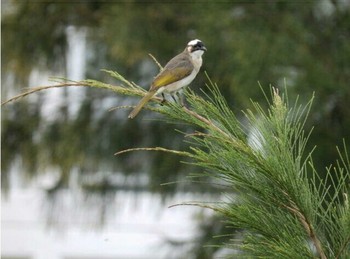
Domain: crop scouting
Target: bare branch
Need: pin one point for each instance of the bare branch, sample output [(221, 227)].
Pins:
[(181, 153)]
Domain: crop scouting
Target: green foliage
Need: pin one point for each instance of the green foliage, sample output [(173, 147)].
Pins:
[(282, 206)]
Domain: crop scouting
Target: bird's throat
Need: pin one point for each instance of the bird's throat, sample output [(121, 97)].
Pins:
[(197, 59)]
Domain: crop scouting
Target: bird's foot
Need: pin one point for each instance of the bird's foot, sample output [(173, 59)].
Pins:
[(163, 101)]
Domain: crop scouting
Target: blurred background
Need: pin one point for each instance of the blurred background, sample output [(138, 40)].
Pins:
[(64, 193)]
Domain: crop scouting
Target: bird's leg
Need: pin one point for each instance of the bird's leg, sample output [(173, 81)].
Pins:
[(164, 100), (174, 98), (181, 97)]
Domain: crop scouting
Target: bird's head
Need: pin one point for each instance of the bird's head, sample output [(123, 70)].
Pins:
[(196, 46)]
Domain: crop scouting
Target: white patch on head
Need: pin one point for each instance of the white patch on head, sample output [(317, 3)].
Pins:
[(193, 42)]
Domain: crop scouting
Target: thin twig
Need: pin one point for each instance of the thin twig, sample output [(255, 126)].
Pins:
[(120, 107), (156, 61), (41, 88), (194, 204), (344, 245), (37, 89), (307, 226), (181, 153), (206, 121), (197, 133)]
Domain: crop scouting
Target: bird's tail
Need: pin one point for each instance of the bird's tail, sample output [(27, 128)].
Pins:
[(142, 103)]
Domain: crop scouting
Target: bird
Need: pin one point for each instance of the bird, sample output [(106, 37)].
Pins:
[(177, 73)]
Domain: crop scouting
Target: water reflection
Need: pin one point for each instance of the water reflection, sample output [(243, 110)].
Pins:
[(142, 222)]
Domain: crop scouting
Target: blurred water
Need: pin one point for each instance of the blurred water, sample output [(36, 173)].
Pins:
[(138, 228)]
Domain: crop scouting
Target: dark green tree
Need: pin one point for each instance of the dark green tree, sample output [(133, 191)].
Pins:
[(304, 44)]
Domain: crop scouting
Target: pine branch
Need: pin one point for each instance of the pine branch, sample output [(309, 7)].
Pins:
[(307, 226), (281, 208), (132, 89)]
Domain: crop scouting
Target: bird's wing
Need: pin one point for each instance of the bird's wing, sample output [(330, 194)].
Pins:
[(177, 69)]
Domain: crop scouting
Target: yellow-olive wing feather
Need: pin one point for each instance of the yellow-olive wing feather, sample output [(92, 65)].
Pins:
[(177, 68)]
